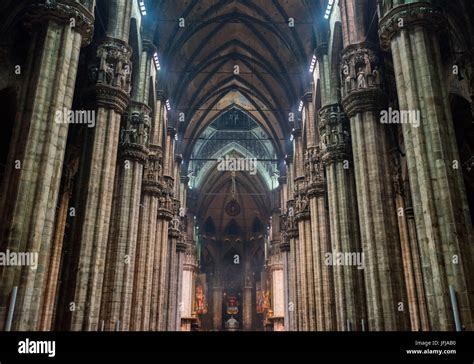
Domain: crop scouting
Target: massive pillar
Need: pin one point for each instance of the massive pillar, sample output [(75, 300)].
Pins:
[(319, 244), (187, 296), (278, 297), (302, 219), (121, 248), (363, 98), (53, 267), (146, 242), (443, 224), (166, 211), (342, 203), (187, 228), (291, 230), (108, 93), (145, 309), (217, 307), (247, 305), (33, 172)]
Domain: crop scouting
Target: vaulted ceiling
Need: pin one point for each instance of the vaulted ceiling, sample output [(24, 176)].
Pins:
[(248, 55), (220, 37)]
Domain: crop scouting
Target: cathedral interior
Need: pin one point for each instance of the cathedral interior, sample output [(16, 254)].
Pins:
[(237, 165)]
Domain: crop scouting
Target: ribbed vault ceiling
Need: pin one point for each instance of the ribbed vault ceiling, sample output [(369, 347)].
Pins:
[(198, 71), (199, 59)]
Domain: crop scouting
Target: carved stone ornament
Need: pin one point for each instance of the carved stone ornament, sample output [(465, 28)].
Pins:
[(110, 73), (78, 15), (406, 16)]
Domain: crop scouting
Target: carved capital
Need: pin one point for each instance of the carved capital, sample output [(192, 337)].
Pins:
[(134, 152), (314, 172), (109, 74), (79, 15), (364, 100), (136, 125), (173, 233), (301, 204), (407, 16), (361, 70), (152, 188), (335, 136)]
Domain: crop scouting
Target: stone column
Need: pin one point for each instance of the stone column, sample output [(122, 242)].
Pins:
[(278, 298), (146, 243), (292, 236), (187, 300), (121, 248), (110, 94), (345, 235), (443, 224), (217, 308), (133, 154), (53, 267), (168, 207), (247, 308), (301, 213), (409, 256), (160, 275), (30, 192), (363, 99), (320, 244), (181, 248), (144, 312), (174, 237)]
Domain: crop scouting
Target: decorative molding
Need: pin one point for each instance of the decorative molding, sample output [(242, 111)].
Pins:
[(364, 100)]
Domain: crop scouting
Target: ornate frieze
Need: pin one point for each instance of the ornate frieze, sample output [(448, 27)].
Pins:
[(79, 15), (407, 16), (335, 136), (361, 79), (109, 74)]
